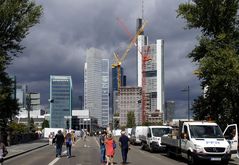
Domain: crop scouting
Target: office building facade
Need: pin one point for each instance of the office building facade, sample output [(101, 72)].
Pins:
[(21, 91), (114, 92), (169, 111), (129, 100), (60, 101), (96, 86)]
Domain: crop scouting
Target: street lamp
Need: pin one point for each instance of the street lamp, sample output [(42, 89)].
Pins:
[(188, 91)]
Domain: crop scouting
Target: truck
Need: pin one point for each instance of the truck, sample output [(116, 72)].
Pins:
[(197, 141), (47, 131), (135, 132), (231, 135), (151, 137)]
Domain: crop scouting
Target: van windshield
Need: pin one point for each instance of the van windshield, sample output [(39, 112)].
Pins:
[(159, 132), (205, 131)]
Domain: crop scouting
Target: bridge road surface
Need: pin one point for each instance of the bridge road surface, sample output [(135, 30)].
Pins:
[(88, 153)]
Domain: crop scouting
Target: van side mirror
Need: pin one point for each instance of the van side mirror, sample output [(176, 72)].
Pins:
[(148, 135)]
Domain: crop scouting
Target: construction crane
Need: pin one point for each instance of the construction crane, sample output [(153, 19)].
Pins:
[(145, 58), (118, 60)]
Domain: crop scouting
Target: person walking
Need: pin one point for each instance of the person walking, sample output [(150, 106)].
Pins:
[(68, 144), (124, 144), (102, 147), (3, 151), (59, 140), (109, 149)]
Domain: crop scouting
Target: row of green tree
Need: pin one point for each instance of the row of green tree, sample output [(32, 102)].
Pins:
[(16, 18)]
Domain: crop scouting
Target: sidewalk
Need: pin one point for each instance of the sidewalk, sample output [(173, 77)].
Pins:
[(19, 149)]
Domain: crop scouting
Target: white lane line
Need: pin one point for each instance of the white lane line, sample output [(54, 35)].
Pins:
[(56, 159), (97, 142)]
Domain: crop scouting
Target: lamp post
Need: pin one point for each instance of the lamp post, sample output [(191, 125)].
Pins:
[(28, 105), (188, 91), (51, 101)]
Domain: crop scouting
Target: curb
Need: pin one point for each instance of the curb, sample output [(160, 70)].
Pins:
[(14, 155)]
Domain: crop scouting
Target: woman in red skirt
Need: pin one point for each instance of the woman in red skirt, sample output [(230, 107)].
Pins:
[(109, 149)]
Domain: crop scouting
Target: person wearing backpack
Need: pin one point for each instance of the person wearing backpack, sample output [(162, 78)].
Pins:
[(68, 140), (3, 151), (59, 140), (102, 147)]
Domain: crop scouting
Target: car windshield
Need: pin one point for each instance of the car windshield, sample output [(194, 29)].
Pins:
[(159, 132), (205, 131)]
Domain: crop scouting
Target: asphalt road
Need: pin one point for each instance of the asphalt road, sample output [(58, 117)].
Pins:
[(88, 153)]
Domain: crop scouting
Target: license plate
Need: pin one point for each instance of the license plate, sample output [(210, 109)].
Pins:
[(215, 159)]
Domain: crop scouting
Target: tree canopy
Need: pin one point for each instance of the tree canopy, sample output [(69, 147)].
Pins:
[(216, 56), (16, 18)]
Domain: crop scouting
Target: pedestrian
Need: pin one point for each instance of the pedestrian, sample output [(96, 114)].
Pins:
[(59, 140), (3, 151), (68, 139), (102, 146), (124, 144), (109, 142), (50, 138)]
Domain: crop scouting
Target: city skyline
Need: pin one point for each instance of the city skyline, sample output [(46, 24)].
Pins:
[(64, 34)]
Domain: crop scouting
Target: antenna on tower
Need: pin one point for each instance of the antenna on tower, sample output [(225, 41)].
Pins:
[(142, 3)]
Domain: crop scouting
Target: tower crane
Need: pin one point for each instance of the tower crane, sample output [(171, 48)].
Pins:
[(118, 60), (145, 58)]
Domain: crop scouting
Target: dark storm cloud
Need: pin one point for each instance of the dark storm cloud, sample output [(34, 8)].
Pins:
[(68, 28)]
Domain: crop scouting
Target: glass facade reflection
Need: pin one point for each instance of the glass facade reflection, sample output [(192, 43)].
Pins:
[(60, 101)]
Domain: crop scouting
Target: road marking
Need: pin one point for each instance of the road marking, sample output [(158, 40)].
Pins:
[(97, 142), (56, 159)]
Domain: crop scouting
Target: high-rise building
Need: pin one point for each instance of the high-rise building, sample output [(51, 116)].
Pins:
[(96, 86), (33, 101), (129, 100), (60, 101), (21, 92), (153, 72), (114, 91), (169, 111)]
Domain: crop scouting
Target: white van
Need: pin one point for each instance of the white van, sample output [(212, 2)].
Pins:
[(151, 137), (231, 135), (135, 132), (128, 132)]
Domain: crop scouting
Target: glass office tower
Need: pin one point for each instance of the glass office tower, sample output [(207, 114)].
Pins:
[(96, 86), (60, 101)]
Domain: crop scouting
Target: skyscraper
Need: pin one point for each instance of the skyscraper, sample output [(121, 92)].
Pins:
[(154, 72), (21, 92), (60, 101), (96, 86), (114, 91)]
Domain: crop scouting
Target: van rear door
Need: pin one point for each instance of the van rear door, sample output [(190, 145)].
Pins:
[(231, 134)]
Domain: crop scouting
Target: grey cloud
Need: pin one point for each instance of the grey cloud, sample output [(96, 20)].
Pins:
[(68, 28)]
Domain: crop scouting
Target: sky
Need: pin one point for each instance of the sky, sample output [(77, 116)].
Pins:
[(58, 44)]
